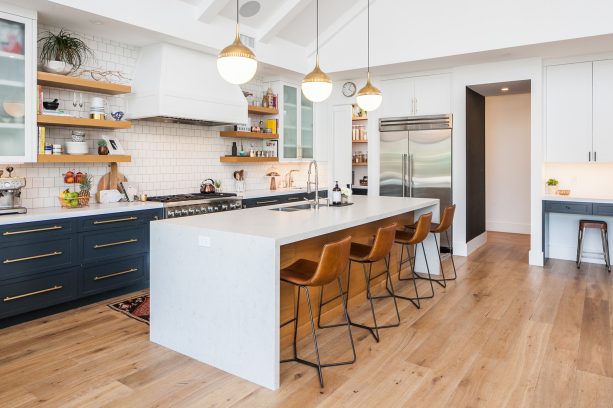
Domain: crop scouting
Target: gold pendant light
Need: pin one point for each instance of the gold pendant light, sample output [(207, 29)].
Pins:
[(369, 98), (316, 85), (236, 63)]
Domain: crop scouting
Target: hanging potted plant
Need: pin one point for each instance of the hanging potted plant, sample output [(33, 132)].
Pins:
[(552, 186), (63, 53)]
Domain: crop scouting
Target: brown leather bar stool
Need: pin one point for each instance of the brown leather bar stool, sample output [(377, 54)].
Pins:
[(439, 228), (367, 255), (413, 238), (604, 237), (304, 274)]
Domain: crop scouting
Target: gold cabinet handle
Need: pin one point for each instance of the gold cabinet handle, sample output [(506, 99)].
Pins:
[(38, 292), (97, 278), (55, 227), (115, 220), (267, 202), (111, 244), (293, 198), (29, 258)]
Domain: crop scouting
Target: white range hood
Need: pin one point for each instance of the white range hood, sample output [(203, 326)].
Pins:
[(175, 84)]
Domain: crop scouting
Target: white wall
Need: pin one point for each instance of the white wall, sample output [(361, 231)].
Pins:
[(507, 163)]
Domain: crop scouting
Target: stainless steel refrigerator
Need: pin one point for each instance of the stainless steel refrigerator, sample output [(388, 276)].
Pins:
[(416, 158)]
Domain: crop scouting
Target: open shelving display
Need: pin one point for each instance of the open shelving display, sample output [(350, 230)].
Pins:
[(247, 159), (262, 110), (81, 84), (249, 135), (70, 121), (83, 158)]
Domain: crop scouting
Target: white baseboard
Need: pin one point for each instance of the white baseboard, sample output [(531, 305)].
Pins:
[(536, 258), (476, 243), (511, 227)]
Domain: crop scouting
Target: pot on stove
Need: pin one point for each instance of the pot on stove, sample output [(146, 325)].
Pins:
[(207, 186)]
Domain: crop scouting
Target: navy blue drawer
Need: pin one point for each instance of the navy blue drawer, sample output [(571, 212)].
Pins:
[(116, 220), (35, 231), (103, 276), (47, 290), (603, 209), (36, 257), (114, 243), (568, 207)]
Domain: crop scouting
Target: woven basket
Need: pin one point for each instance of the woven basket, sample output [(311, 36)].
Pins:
[(564, 192), (68, 203)]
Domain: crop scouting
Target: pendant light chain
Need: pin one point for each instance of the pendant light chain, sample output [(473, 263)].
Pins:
[(368, 35), (317, 26)]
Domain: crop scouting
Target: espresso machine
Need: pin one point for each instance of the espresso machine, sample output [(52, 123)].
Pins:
[(10, 193)]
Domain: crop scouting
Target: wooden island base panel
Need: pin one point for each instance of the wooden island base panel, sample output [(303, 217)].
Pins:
[(311, 249), (224, 302)]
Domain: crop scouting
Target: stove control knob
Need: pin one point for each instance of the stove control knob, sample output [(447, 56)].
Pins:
[(184, 212), (170, 213), (197, 210), (216, 208), (224, 207), (203, 210), (191, 211)]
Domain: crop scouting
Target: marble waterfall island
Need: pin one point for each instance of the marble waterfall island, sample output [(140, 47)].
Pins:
[(215, 289)]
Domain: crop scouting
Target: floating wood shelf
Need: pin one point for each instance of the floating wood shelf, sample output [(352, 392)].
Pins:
[(249, 135), (240, 159), (359, 164), (359, 141), (69, 121), (83, 158), (81, 84), (356, 118), (260, 110)]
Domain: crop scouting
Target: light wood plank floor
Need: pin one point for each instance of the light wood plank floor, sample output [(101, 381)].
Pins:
[(503, 334)]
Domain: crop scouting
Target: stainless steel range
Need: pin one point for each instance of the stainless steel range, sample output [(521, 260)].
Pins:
[(183, 205)]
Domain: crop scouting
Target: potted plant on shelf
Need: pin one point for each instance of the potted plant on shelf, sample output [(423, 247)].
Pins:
[(552, 186), (63, 53), (103, 149)]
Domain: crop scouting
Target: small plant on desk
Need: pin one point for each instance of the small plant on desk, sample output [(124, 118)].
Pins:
[(552, 186)]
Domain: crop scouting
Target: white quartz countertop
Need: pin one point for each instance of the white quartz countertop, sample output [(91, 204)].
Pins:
[(287, 227), (52, 213), (594, 199), (271, 193)]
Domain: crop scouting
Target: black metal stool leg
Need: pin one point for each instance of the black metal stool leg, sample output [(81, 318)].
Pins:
[(608, 255), (579, 247), (321, 376), (455, 275), (414, 300), (295, 320), (443, 281), (322, 303), (605, 253), (348, 322)]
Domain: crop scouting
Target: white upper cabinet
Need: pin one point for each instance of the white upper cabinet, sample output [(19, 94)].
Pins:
[(432, 95), (297, 136), (569, 112), (18, 132), (417, 96), (603, 111)]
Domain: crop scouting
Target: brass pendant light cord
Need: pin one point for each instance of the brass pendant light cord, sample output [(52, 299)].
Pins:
[(317, 30), (368, 35)]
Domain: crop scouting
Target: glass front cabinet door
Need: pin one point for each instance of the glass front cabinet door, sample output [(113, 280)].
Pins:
[(18, 130), (296, 127)]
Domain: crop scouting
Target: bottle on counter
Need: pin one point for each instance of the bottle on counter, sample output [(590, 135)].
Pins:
[(234, 149), (336, 195)]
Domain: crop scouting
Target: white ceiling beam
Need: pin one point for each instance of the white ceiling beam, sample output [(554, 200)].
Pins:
[(281, 18), (338, 25), (207, 10)]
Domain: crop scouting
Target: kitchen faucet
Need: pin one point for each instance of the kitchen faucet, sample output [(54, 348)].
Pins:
[(310, 183)]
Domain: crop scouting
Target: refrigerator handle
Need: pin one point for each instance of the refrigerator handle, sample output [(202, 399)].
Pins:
[(403, 174), (410, 174)]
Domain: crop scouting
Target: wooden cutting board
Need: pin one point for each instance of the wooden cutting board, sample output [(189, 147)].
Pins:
[(110, 180)]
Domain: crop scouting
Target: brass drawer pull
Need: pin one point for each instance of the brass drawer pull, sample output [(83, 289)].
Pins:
[(29, 258), (111, 244), (293, 199), (55, 227), (97, 278), (267, 202), (38, 292), (116, 220)]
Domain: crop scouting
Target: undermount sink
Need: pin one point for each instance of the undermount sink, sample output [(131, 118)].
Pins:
[(293, 208)]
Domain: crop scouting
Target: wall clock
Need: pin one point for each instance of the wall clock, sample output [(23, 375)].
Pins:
[(349, 89)]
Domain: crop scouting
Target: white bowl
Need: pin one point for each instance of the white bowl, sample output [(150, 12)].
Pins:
[(14, 109), (57, 67), (76, 148)]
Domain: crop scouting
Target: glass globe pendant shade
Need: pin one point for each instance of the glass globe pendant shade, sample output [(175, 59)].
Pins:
[(316, 85), (369, 98), (236, 63)]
